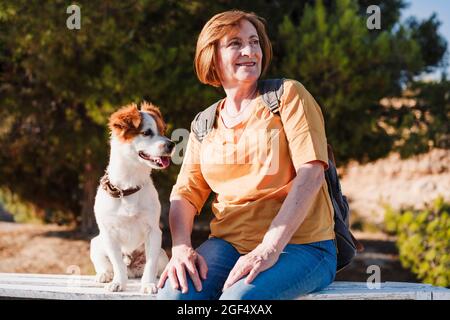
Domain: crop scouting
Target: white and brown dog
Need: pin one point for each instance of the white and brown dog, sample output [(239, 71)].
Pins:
[(127, 207)]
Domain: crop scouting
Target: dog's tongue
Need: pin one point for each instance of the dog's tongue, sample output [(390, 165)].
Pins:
[(165, 161)]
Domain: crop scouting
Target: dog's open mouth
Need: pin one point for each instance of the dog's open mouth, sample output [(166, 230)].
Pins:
[(160, 162)]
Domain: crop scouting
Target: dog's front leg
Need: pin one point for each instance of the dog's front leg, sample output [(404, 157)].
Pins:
[(114, 253), (152, 250)]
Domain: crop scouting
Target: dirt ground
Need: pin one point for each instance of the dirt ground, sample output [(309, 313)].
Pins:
[(60, 250), (42, 249)]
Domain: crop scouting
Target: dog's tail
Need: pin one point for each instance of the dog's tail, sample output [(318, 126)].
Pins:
[(136, 261)]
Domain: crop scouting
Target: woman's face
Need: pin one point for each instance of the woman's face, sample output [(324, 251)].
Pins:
[(240, 55)]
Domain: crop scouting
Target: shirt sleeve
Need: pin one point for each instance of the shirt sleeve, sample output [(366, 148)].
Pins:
[(303, 125), (190, 183)]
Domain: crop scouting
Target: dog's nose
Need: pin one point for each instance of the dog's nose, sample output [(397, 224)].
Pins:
[(170, 145)]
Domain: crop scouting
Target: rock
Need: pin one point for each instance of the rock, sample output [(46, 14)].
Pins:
[(410, 182)]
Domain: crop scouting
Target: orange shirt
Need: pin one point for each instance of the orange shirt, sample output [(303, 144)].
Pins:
[(251, 167)]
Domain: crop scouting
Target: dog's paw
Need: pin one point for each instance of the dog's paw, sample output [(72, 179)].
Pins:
[(104, 277), (115, 287), (149, 288)]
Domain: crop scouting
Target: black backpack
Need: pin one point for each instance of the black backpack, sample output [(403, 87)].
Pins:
[(271, 91)]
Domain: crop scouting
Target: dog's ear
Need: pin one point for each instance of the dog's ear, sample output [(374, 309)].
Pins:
[(126, 122), (156, 114)]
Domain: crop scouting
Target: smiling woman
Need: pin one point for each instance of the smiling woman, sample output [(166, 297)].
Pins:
[(240, 54), (227, 26), (272, 231)]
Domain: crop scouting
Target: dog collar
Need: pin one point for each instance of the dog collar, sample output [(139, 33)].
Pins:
[(114, 191)]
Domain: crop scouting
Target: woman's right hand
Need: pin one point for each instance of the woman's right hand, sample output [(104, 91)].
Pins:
[(184, 258)]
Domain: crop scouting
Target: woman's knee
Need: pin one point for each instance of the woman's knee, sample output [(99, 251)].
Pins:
[(243, 291), (169, 293)]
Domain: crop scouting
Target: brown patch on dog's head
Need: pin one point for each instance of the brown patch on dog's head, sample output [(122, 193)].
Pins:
[(156, 114), (126, 122)]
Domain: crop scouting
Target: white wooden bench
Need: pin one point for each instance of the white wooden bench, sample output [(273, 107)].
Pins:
[(64, 287)]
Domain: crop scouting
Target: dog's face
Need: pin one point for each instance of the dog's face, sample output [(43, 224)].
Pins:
[(143, 131)]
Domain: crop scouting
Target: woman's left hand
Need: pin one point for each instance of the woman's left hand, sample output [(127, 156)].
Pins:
[(261, 258)]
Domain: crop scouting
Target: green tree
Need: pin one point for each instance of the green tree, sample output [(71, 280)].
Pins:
[(423, 124), (349, 69), (59, 86)]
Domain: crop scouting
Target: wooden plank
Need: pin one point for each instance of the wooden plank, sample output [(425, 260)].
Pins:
[(49, 286), (67, 280), (64, 287), (68, 293), (441, 295), (387, 291)]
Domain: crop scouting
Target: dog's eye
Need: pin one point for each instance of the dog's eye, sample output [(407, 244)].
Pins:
[(148, 133)]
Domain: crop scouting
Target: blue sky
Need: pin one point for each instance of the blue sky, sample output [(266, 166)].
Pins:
[(423, 9)]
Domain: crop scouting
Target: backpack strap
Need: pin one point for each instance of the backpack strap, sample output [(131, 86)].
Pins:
[(330, 154), (204, 121), (271, 91), (329, 173)]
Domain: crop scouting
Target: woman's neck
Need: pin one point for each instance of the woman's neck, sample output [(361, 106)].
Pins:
[(236, 95)]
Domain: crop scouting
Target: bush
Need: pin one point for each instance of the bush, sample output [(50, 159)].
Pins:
[(423, 240)]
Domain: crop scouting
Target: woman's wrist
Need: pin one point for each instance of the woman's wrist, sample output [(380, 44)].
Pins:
[(182, 248), (181, 242), (274, 240), (268, 249)]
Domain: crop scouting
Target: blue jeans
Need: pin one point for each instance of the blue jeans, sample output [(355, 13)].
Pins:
[(300, 269)]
